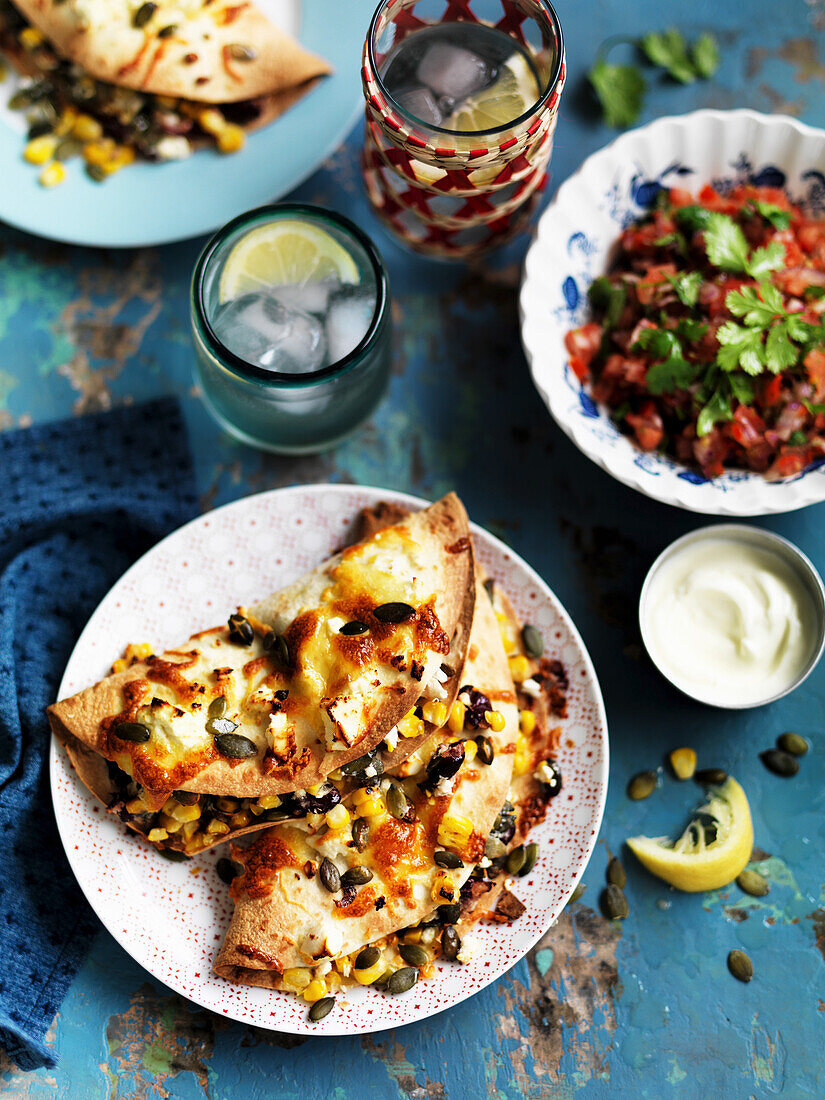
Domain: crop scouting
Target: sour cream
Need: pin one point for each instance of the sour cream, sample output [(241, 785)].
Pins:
[(729, 622)]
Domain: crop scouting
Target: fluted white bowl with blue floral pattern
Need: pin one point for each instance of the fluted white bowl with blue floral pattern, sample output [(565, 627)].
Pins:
[(573, 246)]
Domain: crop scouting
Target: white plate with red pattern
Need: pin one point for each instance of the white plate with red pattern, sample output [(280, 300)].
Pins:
[(171, 917)]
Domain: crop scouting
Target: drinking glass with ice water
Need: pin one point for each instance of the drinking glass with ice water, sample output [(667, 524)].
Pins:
[(461, 107), (290, 317)]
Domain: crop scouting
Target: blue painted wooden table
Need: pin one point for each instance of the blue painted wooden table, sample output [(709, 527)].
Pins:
[(645, 1008)]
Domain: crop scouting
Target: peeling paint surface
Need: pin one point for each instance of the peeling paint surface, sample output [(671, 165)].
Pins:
[(641, 1009)]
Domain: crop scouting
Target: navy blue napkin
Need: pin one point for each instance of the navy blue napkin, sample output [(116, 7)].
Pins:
[(80, 500)]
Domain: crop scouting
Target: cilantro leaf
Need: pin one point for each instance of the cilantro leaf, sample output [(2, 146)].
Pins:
[(692, 218), (775, 215), (725, 243), (668, 50), (608, 298), (797, 438), (686, 286), (620, 90), (814, 410), (742, 388), (660, 342), (690, 330), (757, 306), (717, 408), (674, 373), (740, 347), (766, 259), (779, 351), (704, 54), (814, 293)]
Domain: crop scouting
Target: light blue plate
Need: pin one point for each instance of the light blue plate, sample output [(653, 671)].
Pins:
[(151, 204)]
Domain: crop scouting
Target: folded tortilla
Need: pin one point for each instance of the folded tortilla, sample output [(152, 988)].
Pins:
[(212, 51), (294, 692), (286, 918)]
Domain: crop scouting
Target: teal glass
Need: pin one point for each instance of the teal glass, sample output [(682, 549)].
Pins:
[(290, 413)]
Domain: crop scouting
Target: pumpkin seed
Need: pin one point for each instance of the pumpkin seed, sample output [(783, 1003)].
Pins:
[(330, 875), (740, 966), (494, 849), (143, 15), (186, 798), (234, 746), (167, 32), (96, 172), (397, 802), (360, 764), (356, 876), (173, 855), (751, 882), (780, 763), (531, 854), (413, 954), (367, 958), (490, 587), (792, 743), (68, 148), (577, 893), (616, 874), (360, 833), (450, 912), (450, 943), (219, 726), (683, 762), (402, 980), (486, 751), (642, 785), (614, 903), (515, 860), (132, 731), (228, 870), (713, 777), (217, 708), (239, 52), (276, 646), (448, 859), (240, 630), (354, 628), (393, 612), (321, 1009), (532, 641)]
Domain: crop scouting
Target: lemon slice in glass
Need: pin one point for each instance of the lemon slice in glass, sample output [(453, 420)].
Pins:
[(287, 252), (516, 89), (713, 849)]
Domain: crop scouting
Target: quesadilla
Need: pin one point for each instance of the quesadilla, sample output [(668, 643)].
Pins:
[(130, 77), (308, 682), (310, 894)]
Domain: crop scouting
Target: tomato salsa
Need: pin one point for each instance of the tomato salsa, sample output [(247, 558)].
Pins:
[(708, 337)]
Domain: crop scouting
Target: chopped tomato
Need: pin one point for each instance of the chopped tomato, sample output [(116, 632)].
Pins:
[(647, 424), (679, 197), (814, 363), (791, 460), (747, 426), (584, 343), (771, 390)]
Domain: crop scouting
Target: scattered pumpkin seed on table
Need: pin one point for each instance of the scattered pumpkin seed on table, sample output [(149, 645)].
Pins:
[(792, 743), (780, 763), (683, 762), (616, 873), (711, 777), (577, 893), (515, 860), (531, 854), (740, 966), (642, 785), (403, 980), (751, 882), (614, 903), (321, 1009)]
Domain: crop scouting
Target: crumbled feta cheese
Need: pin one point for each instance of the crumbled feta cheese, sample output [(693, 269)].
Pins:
[(434, 690), (391, 738), (531, 687), (173, 147), (335, 622), (428, 936), (444, 787), (442, 676), (483, 863), (322, 969), (468, 948), (545, 774)]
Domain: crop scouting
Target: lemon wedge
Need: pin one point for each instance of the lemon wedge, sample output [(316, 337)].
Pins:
[(516, 89), (713, 849), (286, 252)]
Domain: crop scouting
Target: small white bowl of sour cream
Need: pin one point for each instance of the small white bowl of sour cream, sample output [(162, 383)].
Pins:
[(733, 616)]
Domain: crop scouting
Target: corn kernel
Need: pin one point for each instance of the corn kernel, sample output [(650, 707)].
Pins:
[(156, 835), (369, 802), (40, 149), (495, 720), (315, 789), (217, 828), (454, 831), (523, 760), (255, 809), (269, 802), (506, 632), (170, 825), (231, 139), (334, 982), (189, 829), (65, 124), (368, 976), (456, 719), (120, 665), (411, 725), (435, 712), (30, 38), (136, 806), (167, 102), (519, 668), (443, 890), (683, 762), (240, 820), (470, 751), (527, 722), (296, 978), (185, 813), (98, 153), (87, 129), (338, 817), (210, 120), (315, 990)]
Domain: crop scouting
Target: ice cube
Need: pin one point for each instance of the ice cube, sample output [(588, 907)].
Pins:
[(421, 104), (264, 332), (452, 71), (348, 319), (311, 297)]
